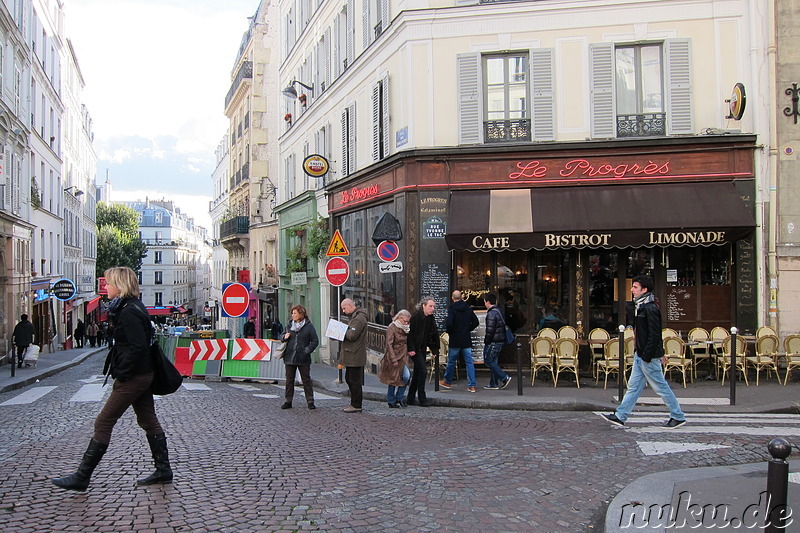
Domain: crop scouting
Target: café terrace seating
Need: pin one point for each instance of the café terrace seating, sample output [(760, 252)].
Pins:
[(609, 364), (724, 360), (541, 356), (675, 352), (766, 356)]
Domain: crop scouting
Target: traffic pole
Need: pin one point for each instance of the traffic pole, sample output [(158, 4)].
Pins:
[(621, 363), (339, 318), (733, 372)]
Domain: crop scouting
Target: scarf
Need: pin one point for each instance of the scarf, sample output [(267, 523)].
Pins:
[(404, 327), (297, 326), (114, 307), (645, 298)]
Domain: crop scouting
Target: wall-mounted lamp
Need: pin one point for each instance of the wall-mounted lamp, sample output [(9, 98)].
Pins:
[(290, 93), (77, 192)]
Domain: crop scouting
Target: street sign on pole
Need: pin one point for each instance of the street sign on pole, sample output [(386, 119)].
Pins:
[(337, 247), (388, 251), (337, 271), (235, 299)]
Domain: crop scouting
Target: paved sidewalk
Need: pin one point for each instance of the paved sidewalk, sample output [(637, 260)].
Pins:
[(48, 365)]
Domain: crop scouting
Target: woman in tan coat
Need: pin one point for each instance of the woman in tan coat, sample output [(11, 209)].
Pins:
[(394, 365)]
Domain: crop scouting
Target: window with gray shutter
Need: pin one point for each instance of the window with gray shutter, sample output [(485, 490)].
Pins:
[(380, 119), (468, 67), (350, 31), (542, 93), (678, 59), (601, 72), (366, 25)]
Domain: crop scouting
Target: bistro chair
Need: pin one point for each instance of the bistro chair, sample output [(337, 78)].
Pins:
[(718, 334), (766, 330), (766, 356), (675, 351), (550, 333), (791, 345), (566, 359), (444, 346), (725, 359), (700, 351), (668, 332), (541, 356), (628, 334), (630, 352), (597, 334), (609, 364), (567, 332)]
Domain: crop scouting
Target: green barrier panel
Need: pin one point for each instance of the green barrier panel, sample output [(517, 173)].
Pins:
[(241, 369)]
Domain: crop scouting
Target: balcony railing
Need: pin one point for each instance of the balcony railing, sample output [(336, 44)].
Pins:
[(517, 129), (245, 72), (234, 226), (644, 125)]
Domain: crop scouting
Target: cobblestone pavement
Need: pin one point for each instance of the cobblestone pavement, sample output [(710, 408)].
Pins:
[(242, 464)]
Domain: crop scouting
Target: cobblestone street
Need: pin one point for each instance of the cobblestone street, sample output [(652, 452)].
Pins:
[(242, 464)]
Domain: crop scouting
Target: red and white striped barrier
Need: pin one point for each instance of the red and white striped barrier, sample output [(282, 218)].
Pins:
[(251, 350), (208, 350)]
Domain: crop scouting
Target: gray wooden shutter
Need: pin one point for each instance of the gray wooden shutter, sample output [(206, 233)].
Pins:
[(326, 50), (385, 115), (470, 100), (376, 121), (345, 149), (351, 138), (366, 29), (542, 106), (351, 30), (384, 15), (603, 98), (337, 49), (678, 83)]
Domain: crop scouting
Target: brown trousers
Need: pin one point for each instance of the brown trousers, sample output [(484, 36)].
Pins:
[(132, 393), (305, 376)]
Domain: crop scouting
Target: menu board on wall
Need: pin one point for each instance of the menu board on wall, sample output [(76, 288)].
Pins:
[(435, 282), (681, 304), (745, 303)]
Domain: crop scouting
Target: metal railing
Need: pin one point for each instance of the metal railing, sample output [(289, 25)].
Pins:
[(233, 226), (245, 72), (517, 129), (642, 125)]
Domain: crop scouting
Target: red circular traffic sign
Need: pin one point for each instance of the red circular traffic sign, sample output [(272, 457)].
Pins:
[(235, 299), (337, 271), (388, 251)]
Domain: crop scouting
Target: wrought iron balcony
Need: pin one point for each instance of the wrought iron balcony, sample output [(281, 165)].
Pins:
[(644, 125), (234, 226), (245, 72), (517, 129)]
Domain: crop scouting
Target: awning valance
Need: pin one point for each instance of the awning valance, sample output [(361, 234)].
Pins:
[(618, 216), (92, 304), (159, 310)]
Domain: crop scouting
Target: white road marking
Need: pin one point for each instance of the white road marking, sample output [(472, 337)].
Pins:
[(29, 396), (92, 379), (242, 386), (196, 386), (268, 396), (317, 395), (660, 448), (776, 431), (92, 392)]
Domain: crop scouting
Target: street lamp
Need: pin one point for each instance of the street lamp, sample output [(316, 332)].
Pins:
[(77, 192), (290, 93)]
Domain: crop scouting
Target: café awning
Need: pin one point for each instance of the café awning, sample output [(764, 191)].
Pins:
[(158, 310), (92, 304), (615, 216)]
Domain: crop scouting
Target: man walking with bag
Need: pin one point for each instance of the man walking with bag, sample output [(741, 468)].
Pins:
[(461, 320), (22, 338), (493, 343)]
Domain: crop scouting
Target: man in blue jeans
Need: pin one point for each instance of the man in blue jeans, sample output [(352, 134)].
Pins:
[(493, 343), (461, 320), (647, 359)]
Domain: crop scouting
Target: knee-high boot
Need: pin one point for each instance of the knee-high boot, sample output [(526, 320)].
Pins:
[(80, 479), (163, 473)]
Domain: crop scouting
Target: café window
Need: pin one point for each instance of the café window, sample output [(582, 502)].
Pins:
[(506, 97), (551, 290)]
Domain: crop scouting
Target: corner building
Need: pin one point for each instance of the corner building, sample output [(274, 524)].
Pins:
[(548, 152)]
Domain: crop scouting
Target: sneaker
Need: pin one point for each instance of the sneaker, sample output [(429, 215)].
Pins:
[(471, 389), (672, 423), (351, 409), (506, 382), (614, 420), (492, 387), (445, 385)]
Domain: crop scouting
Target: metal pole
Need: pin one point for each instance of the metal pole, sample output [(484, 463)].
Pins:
[(777, 485), (339, 318), (621, 373), (733, 372), (12, 355), (519, 367)]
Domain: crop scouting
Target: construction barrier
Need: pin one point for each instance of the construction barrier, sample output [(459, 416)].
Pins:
[(252, 358), (207, 356)]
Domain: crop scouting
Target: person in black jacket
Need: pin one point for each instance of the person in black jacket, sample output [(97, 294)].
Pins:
[(130, 364), (301, 340), (422, 336), (22, 337), (647, 359), (80, 332), (461, 320), (249, 329), (493, 343)]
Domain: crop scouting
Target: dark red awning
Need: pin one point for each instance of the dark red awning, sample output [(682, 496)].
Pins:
[(91, 305), (179, 309), (157, 310)]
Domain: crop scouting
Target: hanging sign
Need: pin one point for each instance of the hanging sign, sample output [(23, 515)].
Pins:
[(64, 289), (315, 166)]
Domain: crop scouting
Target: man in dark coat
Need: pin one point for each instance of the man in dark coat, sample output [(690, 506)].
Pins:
[(493, 342), (354, 353), (461, 320), (22, 338), (249, 329), (423, 335)]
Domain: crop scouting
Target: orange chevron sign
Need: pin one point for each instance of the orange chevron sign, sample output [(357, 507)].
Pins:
[(208, 350)]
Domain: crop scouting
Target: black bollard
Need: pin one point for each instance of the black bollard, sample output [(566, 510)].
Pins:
[(733, 373), (436, 372), (621, 373), (777, 485), (519, 367)]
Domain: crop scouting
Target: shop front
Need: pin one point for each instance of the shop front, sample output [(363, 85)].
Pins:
[(559, 231)]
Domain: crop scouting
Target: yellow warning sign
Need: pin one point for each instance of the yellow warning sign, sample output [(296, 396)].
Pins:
[(337, 247)]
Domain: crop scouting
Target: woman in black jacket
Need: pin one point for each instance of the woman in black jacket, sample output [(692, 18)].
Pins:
[(301, 339), (129, 363)]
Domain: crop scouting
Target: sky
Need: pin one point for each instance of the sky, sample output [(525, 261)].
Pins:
[(156, 75)]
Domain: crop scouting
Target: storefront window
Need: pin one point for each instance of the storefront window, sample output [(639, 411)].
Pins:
[(715, 269), (514, 291), (551, 289), (602, 285), (680, 263), (474, 275)]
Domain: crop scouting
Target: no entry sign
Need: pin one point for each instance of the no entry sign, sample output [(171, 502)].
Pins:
[(235, 299), (337, 271)]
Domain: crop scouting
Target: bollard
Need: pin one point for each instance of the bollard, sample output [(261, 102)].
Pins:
[(436, 372), (777, 485), (519, 368), (621, 373), (732, 373), (12, 358)]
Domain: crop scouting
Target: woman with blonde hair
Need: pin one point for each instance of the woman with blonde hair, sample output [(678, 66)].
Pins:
[(394, 365), (301, 340), (130, 364)]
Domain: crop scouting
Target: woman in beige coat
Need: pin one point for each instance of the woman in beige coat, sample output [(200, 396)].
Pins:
[(394, 365)]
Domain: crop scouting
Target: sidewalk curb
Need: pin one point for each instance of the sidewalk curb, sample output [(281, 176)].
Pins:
[(55, 369)]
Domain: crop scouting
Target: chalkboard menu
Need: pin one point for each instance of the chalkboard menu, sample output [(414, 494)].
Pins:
[(745, 303), (435, 282), (681, 304)]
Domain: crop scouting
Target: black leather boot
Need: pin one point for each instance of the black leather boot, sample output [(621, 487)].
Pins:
[(163, 473), (80, 479)]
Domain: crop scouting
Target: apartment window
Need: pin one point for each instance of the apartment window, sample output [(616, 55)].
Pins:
[(642, 89), (380, 119), (159, 235), (506, 97), (159, 299), (159, 217), (158, 258), (375, 19), (159, 277)]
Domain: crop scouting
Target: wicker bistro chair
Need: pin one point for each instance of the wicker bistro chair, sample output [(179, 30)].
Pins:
[(566, 359), (766, 356), (597, 334), (444, 346), (609, 364), (567, 332), (791, 345), (700, 351), (766, 330), (675, 351), (718, 334), (630, 352), (550, 333), (541, 356), (668, 332), (725, 358)]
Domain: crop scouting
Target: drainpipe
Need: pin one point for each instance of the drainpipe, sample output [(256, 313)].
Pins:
[(772, 262)]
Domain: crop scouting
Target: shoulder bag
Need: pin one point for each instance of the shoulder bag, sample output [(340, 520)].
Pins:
[(166, 378), (278, 349)]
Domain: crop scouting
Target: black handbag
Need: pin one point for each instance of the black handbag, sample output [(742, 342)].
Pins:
[(166, 378)]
